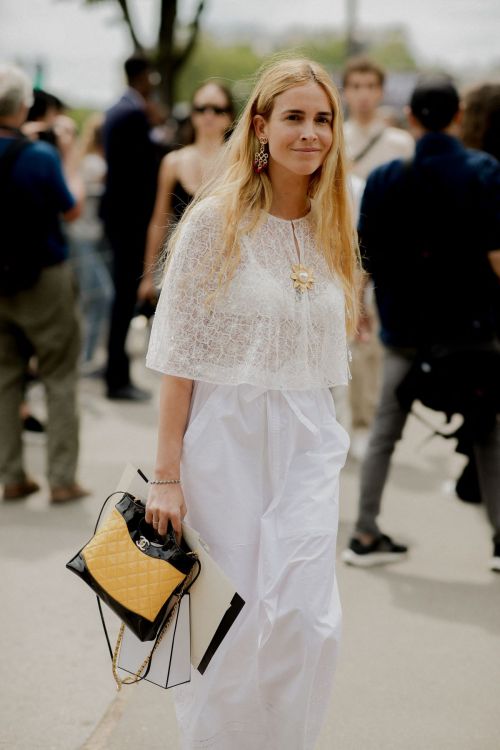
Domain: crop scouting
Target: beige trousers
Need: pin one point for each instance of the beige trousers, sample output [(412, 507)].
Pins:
[(41, 321), (366, 370), (365, 384)]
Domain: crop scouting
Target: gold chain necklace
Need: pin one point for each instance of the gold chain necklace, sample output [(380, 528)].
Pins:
[(302, 276)]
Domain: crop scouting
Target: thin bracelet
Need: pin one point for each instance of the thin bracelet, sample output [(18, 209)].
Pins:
[(164, 481)]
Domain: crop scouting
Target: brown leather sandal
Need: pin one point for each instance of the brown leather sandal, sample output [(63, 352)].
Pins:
[(67, 493), (19, 490)]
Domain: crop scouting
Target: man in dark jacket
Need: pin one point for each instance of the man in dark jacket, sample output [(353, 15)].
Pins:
[(430, 233), (127, 207)]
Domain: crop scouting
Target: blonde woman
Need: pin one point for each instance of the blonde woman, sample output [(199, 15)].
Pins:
[(250, 334)]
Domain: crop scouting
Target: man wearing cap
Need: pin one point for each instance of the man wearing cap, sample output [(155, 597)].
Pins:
[(443, 206)]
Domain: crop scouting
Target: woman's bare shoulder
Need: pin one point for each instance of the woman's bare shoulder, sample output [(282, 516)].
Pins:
[(169, 167)]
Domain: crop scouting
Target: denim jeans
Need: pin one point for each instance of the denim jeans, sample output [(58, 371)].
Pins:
[(96, 291), (387, 428)]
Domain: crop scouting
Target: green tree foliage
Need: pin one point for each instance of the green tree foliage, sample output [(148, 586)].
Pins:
[(393, 52), (389, 48), (329, 50), (234, 65), (186, 59)]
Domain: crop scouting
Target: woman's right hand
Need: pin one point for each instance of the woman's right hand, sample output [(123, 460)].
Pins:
[(166, 503)]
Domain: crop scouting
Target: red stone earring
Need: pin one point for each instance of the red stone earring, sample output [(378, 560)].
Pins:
[(261, 157)]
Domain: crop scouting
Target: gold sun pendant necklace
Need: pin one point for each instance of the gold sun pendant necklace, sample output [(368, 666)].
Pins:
[(302, 277)]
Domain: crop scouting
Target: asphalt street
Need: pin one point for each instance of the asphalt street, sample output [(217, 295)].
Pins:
[(420, 661)]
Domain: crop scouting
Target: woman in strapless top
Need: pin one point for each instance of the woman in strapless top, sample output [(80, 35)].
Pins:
[(182, 172), (179, 199)]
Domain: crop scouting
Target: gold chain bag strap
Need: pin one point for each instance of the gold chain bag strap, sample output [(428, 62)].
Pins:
[(139, 575), (143, 670)]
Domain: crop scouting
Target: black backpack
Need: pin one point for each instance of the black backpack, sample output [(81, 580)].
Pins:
[(21, 228), (457, 380)]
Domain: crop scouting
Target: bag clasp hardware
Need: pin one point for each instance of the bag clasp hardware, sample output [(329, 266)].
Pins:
[(143, 543)]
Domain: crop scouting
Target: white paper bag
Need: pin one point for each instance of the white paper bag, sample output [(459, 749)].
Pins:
[(171, 660), (215, 603)]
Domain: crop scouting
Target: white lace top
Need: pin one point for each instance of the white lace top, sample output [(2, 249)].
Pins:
[(261, 330)]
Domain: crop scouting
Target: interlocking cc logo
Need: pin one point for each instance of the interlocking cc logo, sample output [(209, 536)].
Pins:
[(142, 543)]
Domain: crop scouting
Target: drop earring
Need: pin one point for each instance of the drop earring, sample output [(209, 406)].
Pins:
[(261, 157)]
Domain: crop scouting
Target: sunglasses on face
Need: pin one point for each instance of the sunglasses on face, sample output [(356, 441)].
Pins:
[(211, 108)]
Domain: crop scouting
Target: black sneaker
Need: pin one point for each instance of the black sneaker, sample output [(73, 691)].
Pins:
[(380, 552), (128, 393), (32, 424), (495, 560)]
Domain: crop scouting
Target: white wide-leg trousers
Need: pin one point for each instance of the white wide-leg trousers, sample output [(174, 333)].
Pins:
[(260, 473)]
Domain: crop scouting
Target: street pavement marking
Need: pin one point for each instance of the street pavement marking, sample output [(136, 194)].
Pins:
[(99, 737)]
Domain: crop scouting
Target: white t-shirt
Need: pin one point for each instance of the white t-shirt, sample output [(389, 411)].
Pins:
[(392, 144)]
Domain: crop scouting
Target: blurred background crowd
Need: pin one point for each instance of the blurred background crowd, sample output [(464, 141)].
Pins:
[(119, 110), (132, 161)]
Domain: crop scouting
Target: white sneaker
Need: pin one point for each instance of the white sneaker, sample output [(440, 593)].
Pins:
[(495, 560)]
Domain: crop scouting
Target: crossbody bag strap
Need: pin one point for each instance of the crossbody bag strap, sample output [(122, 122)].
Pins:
[(371, 143), (144, 668)]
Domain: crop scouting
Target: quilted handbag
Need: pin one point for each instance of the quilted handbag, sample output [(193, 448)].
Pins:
[(139, 575)]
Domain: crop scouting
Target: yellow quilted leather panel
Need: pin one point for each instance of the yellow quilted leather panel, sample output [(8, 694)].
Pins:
[(138, 582)]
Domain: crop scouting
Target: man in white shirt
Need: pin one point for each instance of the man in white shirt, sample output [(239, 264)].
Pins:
[(370, 142)]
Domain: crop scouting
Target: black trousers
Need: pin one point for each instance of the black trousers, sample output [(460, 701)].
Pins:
[(127, 245)]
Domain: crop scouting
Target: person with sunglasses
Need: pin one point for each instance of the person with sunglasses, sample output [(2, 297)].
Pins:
[(183, 170)]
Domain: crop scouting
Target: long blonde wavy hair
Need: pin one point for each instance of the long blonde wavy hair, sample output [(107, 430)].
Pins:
[(242, 193)]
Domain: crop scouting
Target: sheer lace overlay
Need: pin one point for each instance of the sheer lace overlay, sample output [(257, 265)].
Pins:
[(260, 330)]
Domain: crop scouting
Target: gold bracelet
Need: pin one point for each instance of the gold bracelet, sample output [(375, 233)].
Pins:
[(164, 481)]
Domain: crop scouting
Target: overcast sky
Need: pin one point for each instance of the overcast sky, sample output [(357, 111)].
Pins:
[(83, 47)]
